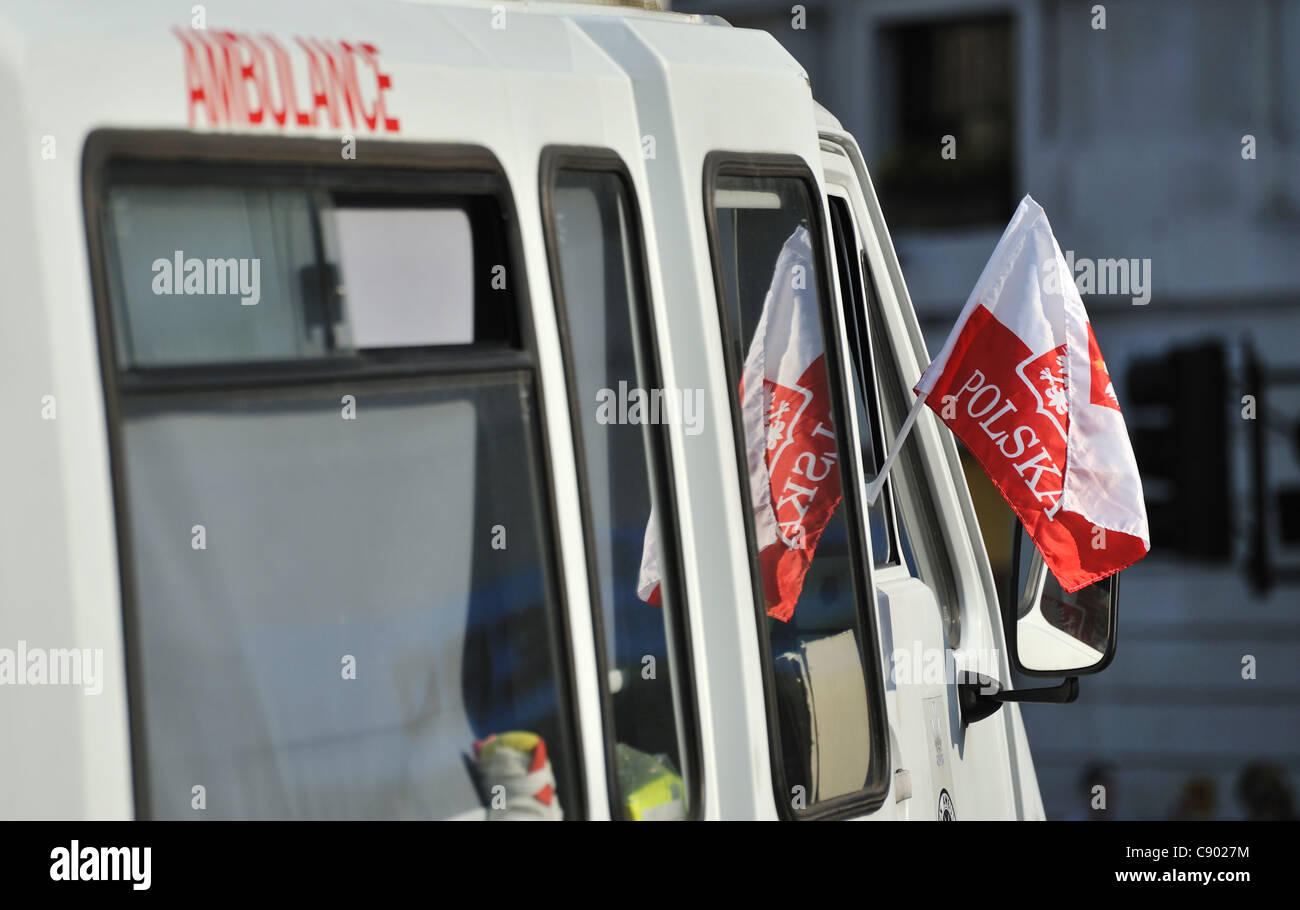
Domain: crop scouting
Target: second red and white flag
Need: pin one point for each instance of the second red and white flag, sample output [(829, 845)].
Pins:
[(1021, 381)]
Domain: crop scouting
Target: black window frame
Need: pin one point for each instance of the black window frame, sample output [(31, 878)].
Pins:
[(870, 798), (554, 160), (855, 299), (387, 168)]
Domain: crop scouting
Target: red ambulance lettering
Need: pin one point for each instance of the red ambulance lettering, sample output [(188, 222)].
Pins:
[(320, 96), (252, 74), (341, 72), (371, 53), (235, 79), (284, 74)]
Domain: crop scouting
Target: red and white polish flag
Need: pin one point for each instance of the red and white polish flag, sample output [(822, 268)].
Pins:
[(794, 471), (1021, 381)]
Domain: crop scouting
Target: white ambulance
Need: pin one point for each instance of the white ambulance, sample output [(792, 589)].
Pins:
[(348, 350)]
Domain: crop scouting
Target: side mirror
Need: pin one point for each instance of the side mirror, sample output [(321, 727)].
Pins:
[(1050, 632)]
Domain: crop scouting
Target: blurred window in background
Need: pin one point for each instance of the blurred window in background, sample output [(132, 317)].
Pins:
[(947, 78)]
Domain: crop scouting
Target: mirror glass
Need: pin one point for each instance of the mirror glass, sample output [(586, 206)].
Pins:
[(1058, 632)]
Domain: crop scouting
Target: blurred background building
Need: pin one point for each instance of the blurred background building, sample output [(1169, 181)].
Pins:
[(1169, 134)]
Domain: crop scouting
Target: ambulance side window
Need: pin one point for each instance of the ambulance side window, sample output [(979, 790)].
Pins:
[(335, 523), (620, 417), (800, 482)]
